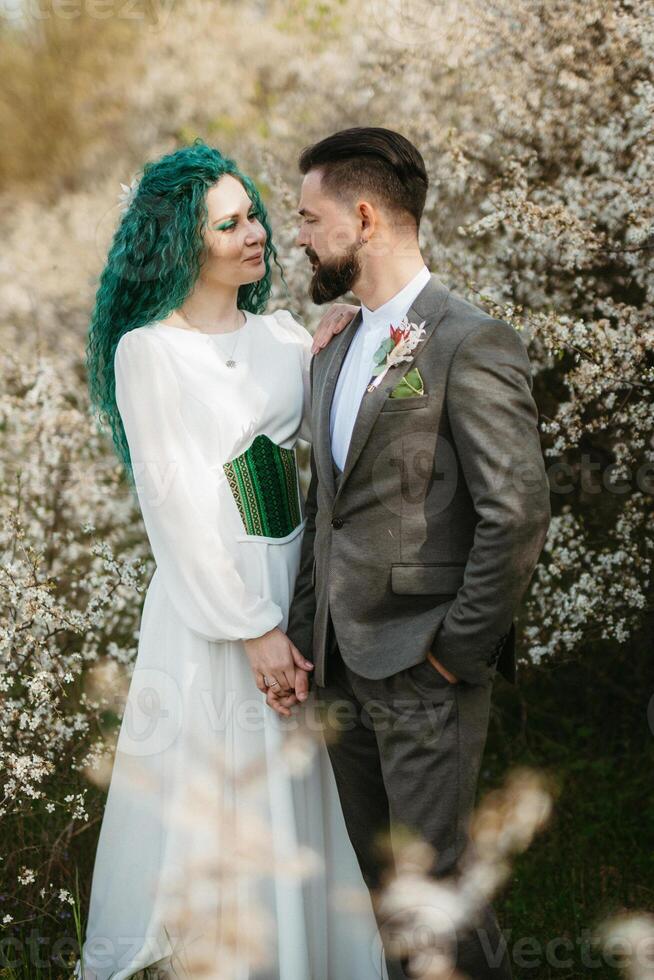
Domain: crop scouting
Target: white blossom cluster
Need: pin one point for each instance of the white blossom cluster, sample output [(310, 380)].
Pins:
[(73, 557)]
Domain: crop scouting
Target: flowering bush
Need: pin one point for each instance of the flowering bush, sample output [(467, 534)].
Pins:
[(535, 121), (73, 558)]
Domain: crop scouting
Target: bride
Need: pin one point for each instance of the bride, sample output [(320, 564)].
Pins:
[(206, 397)]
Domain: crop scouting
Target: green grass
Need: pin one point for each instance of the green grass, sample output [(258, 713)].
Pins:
[(586, 725)]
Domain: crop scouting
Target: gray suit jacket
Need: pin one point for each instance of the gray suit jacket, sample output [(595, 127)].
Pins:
[(429, 539)]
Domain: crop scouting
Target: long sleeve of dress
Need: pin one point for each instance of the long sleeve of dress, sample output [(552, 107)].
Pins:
[(178, 495), (304, 340)]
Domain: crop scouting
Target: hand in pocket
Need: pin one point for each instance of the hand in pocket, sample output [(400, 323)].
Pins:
[(441, 669)]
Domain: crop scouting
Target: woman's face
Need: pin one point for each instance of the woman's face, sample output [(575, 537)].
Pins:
[(234, 237)]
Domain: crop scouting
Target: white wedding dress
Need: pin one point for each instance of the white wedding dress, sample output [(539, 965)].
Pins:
[(206, 815)]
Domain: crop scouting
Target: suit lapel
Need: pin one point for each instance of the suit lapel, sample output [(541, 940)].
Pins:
[(334, 355), (429, 305)]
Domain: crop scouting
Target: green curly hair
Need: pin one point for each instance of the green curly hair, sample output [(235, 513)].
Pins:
[(153, 264)]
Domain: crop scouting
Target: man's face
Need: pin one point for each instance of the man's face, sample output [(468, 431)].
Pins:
[(330, 234)]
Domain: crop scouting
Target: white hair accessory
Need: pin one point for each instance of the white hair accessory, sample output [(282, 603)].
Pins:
[(128, 193)]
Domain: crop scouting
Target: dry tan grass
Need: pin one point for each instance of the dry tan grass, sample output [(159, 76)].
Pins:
[(57, 103)]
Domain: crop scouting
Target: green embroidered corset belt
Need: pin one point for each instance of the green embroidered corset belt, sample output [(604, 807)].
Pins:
[(264, 484)]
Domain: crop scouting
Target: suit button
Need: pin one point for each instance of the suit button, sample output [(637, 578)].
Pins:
[(337, 523)]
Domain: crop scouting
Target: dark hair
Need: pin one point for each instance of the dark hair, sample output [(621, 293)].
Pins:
[(369, 158)]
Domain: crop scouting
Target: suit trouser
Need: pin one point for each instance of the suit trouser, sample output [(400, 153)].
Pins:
[(406, 752)]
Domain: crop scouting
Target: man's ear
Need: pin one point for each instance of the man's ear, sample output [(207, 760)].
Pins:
[(368, 217)]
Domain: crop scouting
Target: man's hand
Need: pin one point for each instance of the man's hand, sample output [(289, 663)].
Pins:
[(275, 657), (333, 321), (283, 701), (443, 670)]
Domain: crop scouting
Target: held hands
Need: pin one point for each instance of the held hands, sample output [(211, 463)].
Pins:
[(333, 321), (274, 657)]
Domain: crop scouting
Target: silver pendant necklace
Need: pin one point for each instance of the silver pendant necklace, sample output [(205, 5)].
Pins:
[(230, 362)]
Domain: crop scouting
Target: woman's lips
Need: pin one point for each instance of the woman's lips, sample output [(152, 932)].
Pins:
[(254, 258)]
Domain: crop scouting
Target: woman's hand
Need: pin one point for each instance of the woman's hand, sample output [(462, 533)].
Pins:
[(333, 321), (274, 656)]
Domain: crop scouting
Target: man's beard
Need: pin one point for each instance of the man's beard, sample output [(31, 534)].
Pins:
[(334, 277)]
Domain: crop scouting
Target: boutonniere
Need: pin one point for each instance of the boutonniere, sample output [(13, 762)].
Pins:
[(399, 346)]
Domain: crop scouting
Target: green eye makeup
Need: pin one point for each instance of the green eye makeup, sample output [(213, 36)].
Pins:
[(226, 225)]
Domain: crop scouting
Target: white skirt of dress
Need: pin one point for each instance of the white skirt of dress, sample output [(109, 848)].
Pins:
[(221, 852)]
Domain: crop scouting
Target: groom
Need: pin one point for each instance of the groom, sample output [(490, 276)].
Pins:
[(426, 515)]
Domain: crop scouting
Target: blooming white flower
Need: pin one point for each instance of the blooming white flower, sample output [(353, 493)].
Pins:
[(128, 193)]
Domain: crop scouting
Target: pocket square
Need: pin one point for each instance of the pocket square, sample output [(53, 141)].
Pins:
[(410, 385)]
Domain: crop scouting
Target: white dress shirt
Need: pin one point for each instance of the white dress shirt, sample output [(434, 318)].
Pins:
[(358, 366)]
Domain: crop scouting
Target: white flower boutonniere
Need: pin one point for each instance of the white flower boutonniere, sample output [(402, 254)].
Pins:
[(399, 346)]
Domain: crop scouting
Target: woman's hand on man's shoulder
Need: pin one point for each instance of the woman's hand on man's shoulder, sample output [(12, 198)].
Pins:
[(332, 322)]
